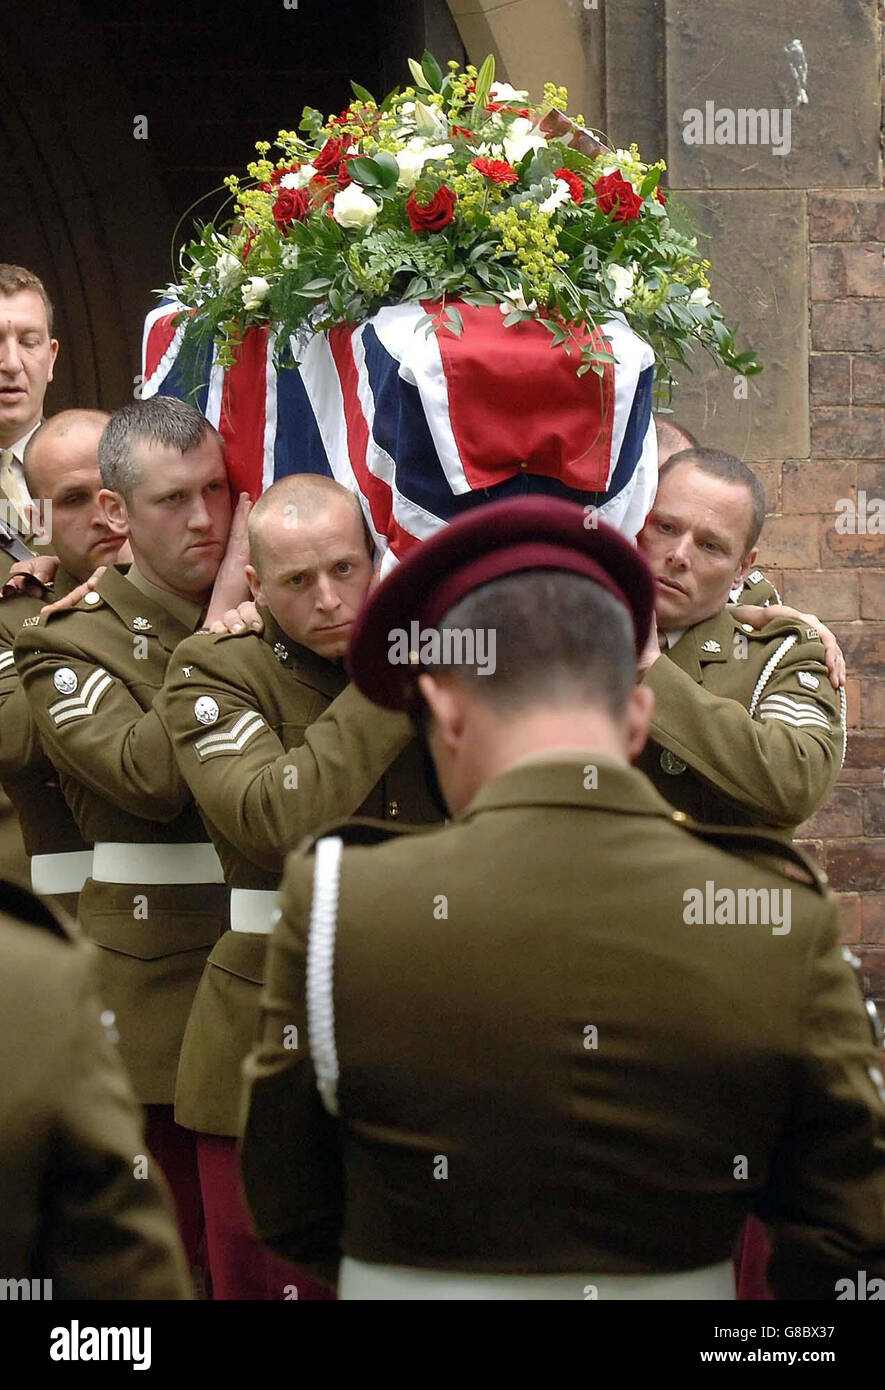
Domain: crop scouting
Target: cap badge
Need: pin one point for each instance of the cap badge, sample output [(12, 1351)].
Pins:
[(141, 625), (206, 709), (670, 763), (808, 680), (186, 671), (710, 646), (65, 681), (280, 652)]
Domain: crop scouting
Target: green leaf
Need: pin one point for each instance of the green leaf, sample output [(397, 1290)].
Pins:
[(455, 321), (388, 167), (418, 74), (365, 171), (484, 80), (432, 71), (650, 182), (362, 93)]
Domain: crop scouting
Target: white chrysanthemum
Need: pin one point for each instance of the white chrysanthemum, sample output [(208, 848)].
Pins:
[(254, 292), (300, 179), (353, 208), (620, 279), (561, 194)]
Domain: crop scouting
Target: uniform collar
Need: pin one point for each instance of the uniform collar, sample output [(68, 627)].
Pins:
[(705, 643), (560, 781), (144, 615), (182, 609), (18, 448), (328, 677)]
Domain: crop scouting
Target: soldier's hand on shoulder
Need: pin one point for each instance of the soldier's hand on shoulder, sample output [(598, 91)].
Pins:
[(32, 577), (243, 619), (758, 617), (73, 598)]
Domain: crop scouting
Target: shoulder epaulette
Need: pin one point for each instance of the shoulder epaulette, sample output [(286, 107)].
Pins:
[(750, 842), (19, 902)]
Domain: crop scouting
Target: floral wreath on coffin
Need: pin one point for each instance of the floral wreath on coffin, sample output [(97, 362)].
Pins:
[(453, 189)]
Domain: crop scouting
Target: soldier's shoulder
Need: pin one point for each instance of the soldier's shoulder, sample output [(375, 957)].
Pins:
[(758, 589), (16, 610), (225, 650), (363, 832), (766, 850)]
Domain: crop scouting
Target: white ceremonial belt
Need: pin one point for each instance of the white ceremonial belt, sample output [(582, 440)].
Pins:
[(118, 862), (253, 909), (359, 1279), (65, 872)]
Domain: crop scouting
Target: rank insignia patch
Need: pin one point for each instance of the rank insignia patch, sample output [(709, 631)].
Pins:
[(808, 680)]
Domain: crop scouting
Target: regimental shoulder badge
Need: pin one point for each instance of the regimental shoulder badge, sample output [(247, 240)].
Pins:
[(812, 634), (141, 624), (710, 646), (32, 621), (206, 709), (810, 681), (755, 575), (65, 680)]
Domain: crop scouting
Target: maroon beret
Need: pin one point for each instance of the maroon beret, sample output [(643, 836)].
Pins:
[(490, 542)]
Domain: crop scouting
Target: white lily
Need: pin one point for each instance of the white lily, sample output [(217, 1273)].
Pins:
[(502, 91), (230, 272), (621, 279), (515, 299), (522, 137), (428, 121)]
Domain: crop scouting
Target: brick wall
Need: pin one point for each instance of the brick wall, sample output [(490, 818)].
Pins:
[(841, 577)]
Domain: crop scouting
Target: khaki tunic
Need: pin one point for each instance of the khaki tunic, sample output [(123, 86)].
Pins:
[(73, 1210), (290, 747), (747, 729), (522, 996), (47, 825), (90, 676)]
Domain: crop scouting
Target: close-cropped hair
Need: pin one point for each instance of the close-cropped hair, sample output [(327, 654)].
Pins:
[(163, 421)]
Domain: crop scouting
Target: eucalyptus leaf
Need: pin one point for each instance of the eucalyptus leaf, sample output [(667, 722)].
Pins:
[(365, 171), (362, 93)]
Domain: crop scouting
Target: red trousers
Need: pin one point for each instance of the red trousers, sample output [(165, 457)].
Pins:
[(175, 1150), (751, 1261), (241, 1267)]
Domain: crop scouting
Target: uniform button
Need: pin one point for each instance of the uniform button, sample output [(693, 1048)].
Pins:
[(393, 809), (679, 816), (748, 627), (92, 597)]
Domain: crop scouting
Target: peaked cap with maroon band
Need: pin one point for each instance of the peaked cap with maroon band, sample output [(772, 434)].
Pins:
[(491, 542)]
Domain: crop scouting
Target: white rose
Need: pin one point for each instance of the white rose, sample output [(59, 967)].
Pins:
[(354, 208), (254, 292), (230, 271), (561, 194), (522, 137), (300, 179), (412, 159), (502, 91), (699, 296), (620, 278)]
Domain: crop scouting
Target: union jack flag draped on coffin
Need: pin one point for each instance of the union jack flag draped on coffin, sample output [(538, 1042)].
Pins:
[(423, 426)]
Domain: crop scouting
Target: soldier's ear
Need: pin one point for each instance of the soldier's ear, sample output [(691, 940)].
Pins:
[(254, 582), (640, 708), (446, 704), (747, 564), (113, 504)]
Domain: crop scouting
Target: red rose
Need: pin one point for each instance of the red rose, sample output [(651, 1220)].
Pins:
[(432, 216), (615, 194), (660, 197), (344, 179), (329, 156), (498, 170), (575, 185), (321, 190), (292, 205)]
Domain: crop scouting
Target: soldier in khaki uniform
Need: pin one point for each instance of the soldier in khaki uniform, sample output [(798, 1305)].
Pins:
[(155, 903), (523, 1057), (274, 744), (61, 469), (747, 728), (77, 1218)]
